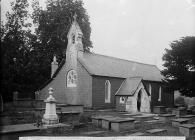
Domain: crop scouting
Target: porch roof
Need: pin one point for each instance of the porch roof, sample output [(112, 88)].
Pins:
[(129, 86)]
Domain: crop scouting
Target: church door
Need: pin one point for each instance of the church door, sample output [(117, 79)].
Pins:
[(139, 101)]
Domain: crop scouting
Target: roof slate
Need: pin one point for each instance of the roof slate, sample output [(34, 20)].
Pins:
[(114, 67), (129, 86)]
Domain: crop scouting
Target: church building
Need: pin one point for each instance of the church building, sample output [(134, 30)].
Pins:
[(103, 82)]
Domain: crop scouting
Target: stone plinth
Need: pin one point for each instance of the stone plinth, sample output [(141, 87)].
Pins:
[(106, 122), (137, 124), (153, 123), (97, 120), (143, 117), (190, 117), (187, 129), (157, 131), (179, 112), (166, 117), (66, 108), (50, 117), (159, 109), (178, 122), (122, 124)]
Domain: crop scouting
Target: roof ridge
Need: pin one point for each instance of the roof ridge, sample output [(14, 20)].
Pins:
[(122, 59), (135, 77)]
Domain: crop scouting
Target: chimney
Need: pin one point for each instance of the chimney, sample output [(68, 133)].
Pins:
[(54, 66)]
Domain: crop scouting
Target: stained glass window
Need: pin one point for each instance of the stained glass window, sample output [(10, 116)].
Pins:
[(71, 78)]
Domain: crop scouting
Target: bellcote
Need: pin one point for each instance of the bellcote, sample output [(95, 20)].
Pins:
[(75, 35)]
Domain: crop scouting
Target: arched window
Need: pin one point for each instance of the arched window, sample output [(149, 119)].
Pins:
[(107, 91), (150, 89), (71, 78), (122, 100), (73, 39), (160, 92)]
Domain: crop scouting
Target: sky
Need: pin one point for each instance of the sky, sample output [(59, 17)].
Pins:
[(137, 30)]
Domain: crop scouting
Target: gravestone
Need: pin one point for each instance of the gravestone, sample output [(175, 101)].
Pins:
[(179, 112), (190, 117), (178, 122), (166, 117), (144, 117), (15, 95), (187, 129), (50, 117), (159, 109), (122, 124), (157, 131), (137, 134), (106, 122), (97, 120)]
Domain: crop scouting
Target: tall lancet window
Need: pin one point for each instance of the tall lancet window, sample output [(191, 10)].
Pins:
[(71, 78), (160, 92), (107, 91), (73, 39), (150, 91)]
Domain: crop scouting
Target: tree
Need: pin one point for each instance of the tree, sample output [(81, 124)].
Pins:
[(54, 23), (26, 56), (52, 26), (15, 48), (179, 63)]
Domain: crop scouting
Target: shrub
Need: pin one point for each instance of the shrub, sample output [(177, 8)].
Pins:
[(180, 102)]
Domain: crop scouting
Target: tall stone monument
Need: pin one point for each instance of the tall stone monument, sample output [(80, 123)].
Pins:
[(50, 117)]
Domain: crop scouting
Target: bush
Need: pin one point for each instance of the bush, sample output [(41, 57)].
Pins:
[(180, 102)]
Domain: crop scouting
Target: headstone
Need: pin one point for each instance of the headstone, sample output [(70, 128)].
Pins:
[(15, 95), (179, 112), (138, 124), (97, 121), (159, 109), (50, 117), (106, 122), (190, 117), (93, 132), (187, 129), (143, 117), (137, 134), (166, 117), (122, 124), (178, 122), (157, 131)]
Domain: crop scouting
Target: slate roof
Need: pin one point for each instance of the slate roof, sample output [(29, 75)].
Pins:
[(102, 65), (129, 86)]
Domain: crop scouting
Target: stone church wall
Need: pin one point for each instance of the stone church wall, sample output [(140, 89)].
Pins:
[(98, 91), (63, 94), (84, 86), (167, 97)]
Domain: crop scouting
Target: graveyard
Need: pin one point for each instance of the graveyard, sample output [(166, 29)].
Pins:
[(32, 118), (56, 84)]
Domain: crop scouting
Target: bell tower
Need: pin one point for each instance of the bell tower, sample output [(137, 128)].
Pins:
[(75, 45), (74, 36)]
